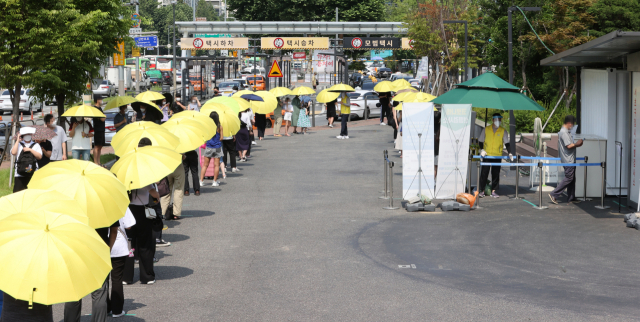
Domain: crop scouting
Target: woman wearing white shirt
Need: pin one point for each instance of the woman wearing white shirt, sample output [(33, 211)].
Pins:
[(119, 254), (288, 112), (25, 144)]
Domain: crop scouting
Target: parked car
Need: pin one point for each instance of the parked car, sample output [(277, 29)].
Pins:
[(358, 106), (256, 83), (255, 71), (110, 129), (227, 87), (368, 86), (383, 72), (179, 77), (105, 88), (167, 78), (155, 77), (242, 82), (27, 104)]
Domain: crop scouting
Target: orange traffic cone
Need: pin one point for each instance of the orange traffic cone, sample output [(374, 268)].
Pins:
[(21, 118), (32, 115)]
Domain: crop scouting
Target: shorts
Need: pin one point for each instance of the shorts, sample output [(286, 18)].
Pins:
[(98, 139), (81, 154), (287, 116), (213, 153)]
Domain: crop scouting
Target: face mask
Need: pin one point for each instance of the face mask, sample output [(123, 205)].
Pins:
[(27, 137), (143, 110), (193, 101), (496, 123), (164, 102)]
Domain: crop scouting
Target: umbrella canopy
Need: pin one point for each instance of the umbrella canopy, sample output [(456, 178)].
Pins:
[(137, 126), (401, 84), (83, 111), (489, 81), (159, 136), (43, 132), (228, 120), (119, 101), (152, 111), (341, 88), (196, 116), (149, 96), (144, 166), (268, 104), (280, 91), (210, 106), (413, 97), (303, 90), (384, 86), (102, 197), (31, 200), (191, 133), (399, 107), (325, 96), (50, 258), (251, 97), (229, 101), (488, 98)]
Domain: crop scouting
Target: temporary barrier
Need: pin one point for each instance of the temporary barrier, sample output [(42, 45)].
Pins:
[(385, 155), (390, 207)]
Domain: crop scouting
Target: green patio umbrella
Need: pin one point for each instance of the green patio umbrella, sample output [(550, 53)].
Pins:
[(505, 100), (488, 80)]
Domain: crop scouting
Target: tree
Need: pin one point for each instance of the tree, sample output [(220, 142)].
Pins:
[(612, 15), (204, 9), (300, 10)]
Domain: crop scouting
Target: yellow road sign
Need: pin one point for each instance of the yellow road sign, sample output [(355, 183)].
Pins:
[(275, 70), (118, 58), (135, 51)]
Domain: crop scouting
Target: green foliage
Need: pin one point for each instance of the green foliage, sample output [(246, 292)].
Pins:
[(205, 9), (301, 10), (612, 15), (5, 189), (162, 20), (357, 65)]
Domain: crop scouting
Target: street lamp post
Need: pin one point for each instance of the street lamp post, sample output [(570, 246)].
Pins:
[(512, 118), (466, 49), (173, 3)]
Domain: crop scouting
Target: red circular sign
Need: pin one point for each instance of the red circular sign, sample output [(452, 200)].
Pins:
[(411, 41), (278, 42), (356, 42), (198, 43)]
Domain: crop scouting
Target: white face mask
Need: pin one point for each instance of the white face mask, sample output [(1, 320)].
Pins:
[(27, 137), (193, 101), (496, 123), (143, 110)]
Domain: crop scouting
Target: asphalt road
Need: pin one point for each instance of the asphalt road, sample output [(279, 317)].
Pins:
[(300, 235)]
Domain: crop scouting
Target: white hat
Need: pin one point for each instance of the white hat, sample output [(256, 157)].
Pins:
[(27, 130)]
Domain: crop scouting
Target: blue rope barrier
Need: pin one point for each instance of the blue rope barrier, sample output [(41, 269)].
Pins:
[(575, 164), (522, 158), (544, 164), (510, 164), (491, 157)]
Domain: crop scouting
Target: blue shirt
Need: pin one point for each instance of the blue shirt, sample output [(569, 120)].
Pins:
[(214, 143)]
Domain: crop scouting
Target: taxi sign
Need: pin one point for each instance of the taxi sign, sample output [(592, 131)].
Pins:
[(275, 70)]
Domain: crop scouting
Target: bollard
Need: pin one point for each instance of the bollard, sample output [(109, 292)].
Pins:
[(477, 204), (540, 207), (469, 176), (517, 178), (384, 164), (602, 206), (584, 198), (391, 207), (313, 113)]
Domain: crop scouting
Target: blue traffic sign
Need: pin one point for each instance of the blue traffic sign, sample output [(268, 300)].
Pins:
[(148, 41)]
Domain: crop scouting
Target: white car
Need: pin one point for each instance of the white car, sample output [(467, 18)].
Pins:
[(358, 107), (105, 88), (179, 77), (28, 103)]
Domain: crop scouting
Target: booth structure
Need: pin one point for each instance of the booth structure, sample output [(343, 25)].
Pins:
[(608, 94)]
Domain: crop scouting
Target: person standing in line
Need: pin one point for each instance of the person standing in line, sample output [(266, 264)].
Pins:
[(120, 251), (190, 163), (120, 120), (229, 149), (81, 132), (177, 105), (47, 148), (277, 119), (194, 105), (303, 119), (58, 142), (491, 141), (213, 150), (99, 131), (296, 114), (567, 151), (243, 142), (166, 110), (345, 111), (24, 144), (384, 106), (288, 114), (261, 124), (176, 185), (313, 80), (331, 112)]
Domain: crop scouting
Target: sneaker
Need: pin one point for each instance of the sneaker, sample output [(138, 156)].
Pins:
[(494, 194), (331, 125), (382, 123), (155, 260), (215, 184), (162, 243), (201, 183), (481, 194), (346, 137), (339, 137), (253, 143), (235, 170), (553, 199), (150, 282), (119, 315), (126, 283)]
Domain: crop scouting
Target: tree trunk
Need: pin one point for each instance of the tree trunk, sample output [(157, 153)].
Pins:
[(60, 103)]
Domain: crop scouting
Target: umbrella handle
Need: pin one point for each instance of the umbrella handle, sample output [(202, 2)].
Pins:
[(31, 298)]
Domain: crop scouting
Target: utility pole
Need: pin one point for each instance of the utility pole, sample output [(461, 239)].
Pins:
[(193, 5), (138, 76), (173, 3), (335, 51)]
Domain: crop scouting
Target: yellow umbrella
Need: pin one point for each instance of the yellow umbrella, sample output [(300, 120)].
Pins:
[(325, 96), (197, 116), (229, 101), (228, 120), (280, 91), (384, 86), (119, 101), (400, 84), (268, 105), (244, 104), (341, 88), (418, 97), (149, 96), (207, 108), (100, 195), (159, 136), (31, 200), (191, 133), (50, 258), (83, 111), (303, 90), (399, 107), (139, 125), (144, 166)]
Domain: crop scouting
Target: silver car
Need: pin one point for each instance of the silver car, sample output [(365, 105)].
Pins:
[(358, 107), (109, 128), (105, 88), (28, 103)]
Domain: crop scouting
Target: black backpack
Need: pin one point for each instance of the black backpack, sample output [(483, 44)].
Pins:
[(26, 164)]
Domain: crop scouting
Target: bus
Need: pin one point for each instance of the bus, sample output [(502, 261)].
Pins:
[(164, 63), (152, 60), (143, 63)]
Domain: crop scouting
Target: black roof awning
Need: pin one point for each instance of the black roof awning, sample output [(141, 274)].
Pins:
[(606, 51)]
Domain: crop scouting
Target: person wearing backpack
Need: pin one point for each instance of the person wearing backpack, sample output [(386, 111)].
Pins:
[(28, 152)]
